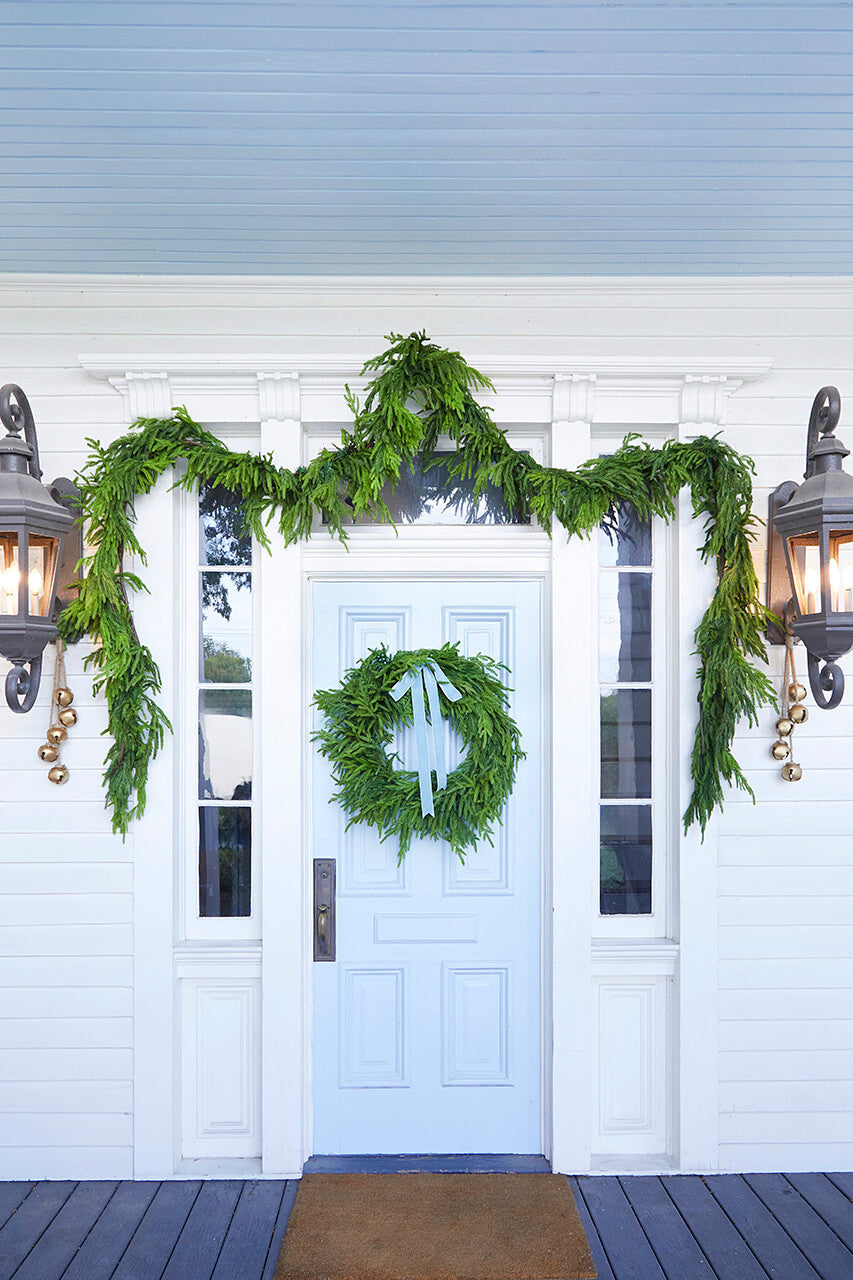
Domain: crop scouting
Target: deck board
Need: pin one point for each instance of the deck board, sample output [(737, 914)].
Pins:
[(12, 1195), (722, 1244), (58, 1244), (247, 1243), (29, 1223), (825, 1198), (674, 1246), (830, 1258), (625, 1243), (154, 1239), (200, 1243), (103, 1248), (768, 1240), (667, 1227)]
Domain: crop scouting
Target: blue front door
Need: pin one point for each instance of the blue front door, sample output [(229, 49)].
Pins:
[(427, 1026)]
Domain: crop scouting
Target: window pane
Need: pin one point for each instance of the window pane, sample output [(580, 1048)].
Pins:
[(626, 860), (427, 494), (225, 861), (225, 745), (226, 611), (625, 613), (626, 742), (631, 541), (222, 536)]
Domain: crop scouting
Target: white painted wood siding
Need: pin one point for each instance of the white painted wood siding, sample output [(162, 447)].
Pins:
[(783, 920)]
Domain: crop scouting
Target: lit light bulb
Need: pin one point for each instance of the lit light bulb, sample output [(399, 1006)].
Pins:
[(36, 588), (847, 584), (834, 582), (12, 579), (810, 585)]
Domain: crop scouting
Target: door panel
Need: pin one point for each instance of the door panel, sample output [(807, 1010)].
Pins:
[(427, 1027)]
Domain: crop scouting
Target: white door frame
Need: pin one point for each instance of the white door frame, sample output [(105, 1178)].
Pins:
[(690, 394)]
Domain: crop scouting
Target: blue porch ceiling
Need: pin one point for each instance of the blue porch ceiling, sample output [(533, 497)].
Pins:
[(557, 138)]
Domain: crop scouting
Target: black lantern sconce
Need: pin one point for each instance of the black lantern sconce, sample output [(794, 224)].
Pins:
[(810, 554), (34, 526)]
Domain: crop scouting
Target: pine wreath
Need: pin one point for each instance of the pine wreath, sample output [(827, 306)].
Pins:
[(361, 717)]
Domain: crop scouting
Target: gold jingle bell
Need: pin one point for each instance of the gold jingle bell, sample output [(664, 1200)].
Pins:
[(796, 692), (779, 750), (58, 774), (68, 717), (57, 733), (784, 726), (791, 772), (798, 713), (65, 697), (48, 752)]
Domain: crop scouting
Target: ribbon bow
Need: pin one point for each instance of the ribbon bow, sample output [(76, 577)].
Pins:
[(424, 682)]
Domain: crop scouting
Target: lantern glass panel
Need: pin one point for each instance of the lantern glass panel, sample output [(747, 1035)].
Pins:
[(41, 579), (804, 558), (841, 570), (10, 574)]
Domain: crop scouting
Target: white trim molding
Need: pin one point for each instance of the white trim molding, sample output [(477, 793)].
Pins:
[(312, 388)]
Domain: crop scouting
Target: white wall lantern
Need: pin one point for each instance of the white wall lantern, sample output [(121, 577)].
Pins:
[(34, 522)]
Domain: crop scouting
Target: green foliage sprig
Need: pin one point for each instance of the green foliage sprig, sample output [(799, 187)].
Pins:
[(418, 392), (361, 719)]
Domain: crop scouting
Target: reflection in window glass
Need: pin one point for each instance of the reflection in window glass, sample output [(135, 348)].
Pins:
[(626, 859), (226, 633), (225, 744), (223, 539), (630, 543), (626, 743), (428, 494), (625, 635), (225, 861)]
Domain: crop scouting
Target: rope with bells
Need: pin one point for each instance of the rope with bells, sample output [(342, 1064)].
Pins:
[(61, 700), (793, 712)]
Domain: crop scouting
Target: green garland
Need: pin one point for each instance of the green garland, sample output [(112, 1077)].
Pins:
[(361, 718), (419, 391)]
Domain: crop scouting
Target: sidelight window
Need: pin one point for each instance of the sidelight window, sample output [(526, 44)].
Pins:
[(626, 588), (225, 703)]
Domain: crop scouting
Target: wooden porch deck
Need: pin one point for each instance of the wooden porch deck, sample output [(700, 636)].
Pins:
[(757, 1227)]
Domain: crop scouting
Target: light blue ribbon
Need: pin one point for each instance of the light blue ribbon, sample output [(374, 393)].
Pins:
[(429, 739)]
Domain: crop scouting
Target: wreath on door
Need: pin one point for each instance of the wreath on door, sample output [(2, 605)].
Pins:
[(372, 702)]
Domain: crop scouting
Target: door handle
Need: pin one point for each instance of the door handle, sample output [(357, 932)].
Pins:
[(324, 908)]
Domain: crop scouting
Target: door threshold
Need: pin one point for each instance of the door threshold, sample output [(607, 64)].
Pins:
[(428, 1164)]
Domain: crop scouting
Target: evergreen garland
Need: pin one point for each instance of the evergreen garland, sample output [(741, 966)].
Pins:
[(361, 718), (418, 392)]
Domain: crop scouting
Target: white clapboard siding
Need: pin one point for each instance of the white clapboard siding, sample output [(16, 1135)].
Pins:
[(788, 1034), (66, 940), (65, 1002), (84, 1097), (59, 877), (770, 881), (51, 1065), (772, 1096), (787, 975), (757, 851), (807, 1156), (72, 848), (757, 913), (825, 1003), (762, 1065), (78, 1032), (66, 908), (53, 1161)]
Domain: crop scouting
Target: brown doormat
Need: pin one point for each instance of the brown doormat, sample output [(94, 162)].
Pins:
[(434, 1226)]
